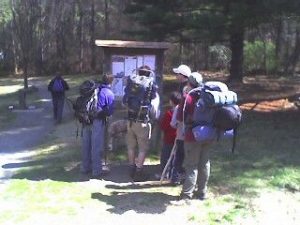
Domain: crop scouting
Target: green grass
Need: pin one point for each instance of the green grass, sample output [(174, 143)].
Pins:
[(267, 157)]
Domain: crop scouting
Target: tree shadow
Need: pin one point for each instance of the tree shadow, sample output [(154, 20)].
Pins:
[(139, 202)]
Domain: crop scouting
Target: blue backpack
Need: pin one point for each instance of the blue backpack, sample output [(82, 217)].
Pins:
[(216, 113), (58, 85), (139, 92)]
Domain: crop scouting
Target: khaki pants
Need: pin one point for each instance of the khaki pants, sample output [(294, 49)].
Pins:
[(138, 136), (197, 167)]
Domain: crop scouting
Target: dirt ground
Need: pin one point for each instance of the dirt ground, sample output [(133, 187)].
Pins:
[(276, 208)]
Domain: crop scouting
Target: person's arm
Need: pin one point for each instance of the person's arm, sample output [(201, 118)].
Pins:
[(185, 108), (66, 85), (50, 85), (155, 111), (173, 122)]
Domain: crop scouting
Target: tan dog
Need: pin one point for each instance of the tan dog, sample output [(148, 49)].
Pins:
[(117, 127)]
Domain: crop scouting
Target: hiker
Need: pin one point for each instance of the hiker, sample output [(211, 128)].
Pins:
[(57, 87), (142, 102), (196, 161), (182, 73), (99, 107), (169, 136)]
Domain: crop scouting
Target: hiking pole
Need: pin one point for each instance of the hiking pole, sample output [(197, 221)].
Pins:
[(172, 155)]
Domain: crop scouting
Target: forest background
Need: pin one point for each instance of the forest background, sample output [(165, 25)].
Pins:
[(39, 37)]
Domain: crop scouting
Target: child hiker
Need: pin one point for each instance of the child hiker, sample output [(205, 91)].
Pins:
[(169, 136)]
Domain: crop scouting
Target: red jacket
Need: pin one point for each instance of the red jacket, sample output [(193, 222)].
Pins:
[(168, 131)]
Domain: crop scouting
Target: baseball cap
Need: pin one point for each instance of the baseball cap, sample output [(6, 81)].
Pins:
[(182, 69)]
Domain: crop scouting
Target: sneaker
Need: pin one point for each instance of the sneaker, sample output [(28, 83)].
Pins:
[(140, 176), (157, 176), (175, 182), (182, 199)]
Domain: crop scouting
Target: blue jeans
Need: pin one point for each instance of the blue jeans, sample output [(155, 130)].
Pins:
[(92, 147)]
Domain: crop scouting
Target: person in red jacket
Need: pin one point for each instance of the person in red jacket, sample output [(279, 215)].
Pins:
[(169, 133)]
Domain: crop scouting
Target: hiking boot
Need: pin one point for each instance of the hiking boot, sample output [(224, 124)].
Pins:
[(140, 176), (99, 176), (201, 196), (184, 197), (132, 171)]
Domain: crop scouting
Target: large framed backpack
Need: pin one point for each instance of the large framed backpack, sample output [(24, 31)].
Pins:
[(139, 92), (216, 113), (83, 103)]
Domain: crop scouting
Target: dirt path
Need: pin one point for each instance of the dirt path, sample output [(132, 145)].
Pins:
[(31, 126)]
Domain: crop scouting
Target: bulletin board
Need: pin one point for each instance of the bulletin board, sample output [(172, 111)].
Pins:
[(123, 66)]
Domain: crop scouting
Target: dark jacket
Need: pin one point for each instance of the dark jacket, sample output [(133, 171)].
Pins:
[(64, 83)]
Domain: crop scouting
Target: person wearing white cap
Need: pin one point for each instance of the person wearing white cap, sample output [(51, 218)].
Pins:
[(196, 161), (182, 74)]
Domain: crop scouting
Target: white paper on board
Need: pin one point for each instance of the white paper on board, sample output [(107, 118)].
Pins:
[(149, 60), (118, 69), (117, 87), (130, 65)]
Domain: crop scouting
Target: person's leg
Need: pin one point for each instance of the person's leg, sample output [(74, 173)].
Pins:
[(192, 152), (203, 172), (178, 161), (165, 155), (86, 150), (131, 146), (142, 131), (60, 107), (97, 146), (180, 156), (54, 103)]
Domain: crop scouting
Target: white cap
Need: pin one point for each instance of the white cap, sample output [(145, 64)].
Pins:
[(195, 79), (183, 69)]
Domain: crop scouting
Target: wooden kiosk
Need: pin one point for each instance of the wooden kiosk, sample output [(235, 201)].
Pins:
[(122, 58)]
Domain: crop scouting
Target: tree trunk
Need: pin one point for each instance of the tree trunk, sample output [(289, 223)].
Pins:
[(278, 41), (80, 36), (206, 54), (296, 53), (106, 20), (92, 40), (237, 49)]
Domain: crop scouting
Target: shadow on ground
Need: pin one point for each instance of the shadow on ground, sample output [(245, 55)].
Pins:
[(69, 172), (140, 202)]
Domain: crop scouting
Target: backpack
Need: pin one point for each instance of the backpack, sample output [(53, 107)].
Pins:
[(83, 104), (58, 85), (139, 92), (216, 113)]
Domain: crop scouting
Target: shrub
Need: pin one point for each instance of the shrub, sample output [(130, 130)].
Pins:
[(254, 54)]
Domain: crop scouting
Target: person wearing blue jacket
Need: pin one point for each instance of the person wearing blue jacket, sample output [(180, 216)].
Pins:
[(57, 87), (93, 135)]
